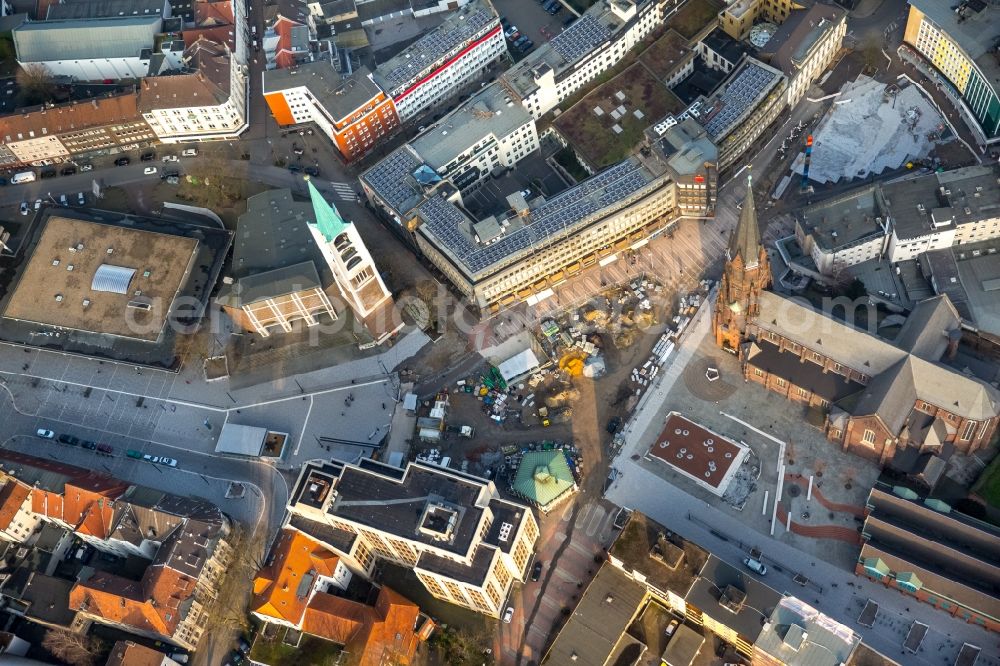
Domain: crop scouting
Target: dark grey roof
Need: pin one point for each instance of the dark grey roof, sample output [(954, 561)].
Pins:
[(396, 507), (727, 47), (790, 44), (789, 366), (47, 600), (719, 593), (341, 540), (474, 574), (339, 95), (277, 282), (85, 39), (931, 203), (970, 275), (105, 8), (375, 8), (842, 221), (607, 608), (928, 328), (273, 249)]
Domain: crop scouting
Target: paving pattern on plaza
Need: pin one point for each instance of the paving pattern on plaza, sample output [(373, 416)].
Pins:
[(703, 456)]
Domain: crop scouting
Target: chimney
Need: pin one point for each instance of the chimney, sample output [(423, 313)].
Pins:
[(954, 337)]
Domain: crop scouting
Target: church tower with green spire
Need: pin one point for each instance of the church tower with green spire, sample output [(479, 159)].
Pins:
[(352, 266), (747, 272)]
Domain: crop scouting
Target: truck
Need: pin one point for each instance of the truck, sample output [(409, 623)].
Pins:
[(465, 431)]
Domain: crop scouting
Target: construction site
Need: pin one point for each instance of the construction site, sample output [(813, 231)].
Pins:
[(872, 127)]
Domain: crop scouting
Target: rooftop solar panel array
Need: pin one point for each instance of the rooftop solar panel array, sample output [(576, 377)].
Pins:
[(740, 94), (445, 221), (580, 38), (433, 46), (391, 180)]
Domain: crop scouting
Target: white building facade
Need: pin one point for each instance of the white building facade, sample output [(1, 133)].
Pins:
[(559, 68), (225, 117), (437, 65)]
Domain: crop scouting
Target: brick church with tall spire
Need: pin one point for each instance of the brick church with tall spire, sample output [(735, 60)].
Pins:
[(884, 399), (747, 273)]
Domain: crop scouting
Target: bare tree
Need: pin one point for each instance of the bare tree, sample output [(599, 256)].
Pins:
[(73, 648), (35, 83)]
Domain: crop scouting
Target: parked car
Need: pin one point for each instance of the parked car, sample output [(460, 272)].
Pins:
[(69, 440), (80, 199), (86, 167), (243, 645), (189, 152), (294, 168), (756, 566), (671, 628), (89, 445), (24, 208), (45, 434), (613, 424), (147, 157), (3, 181), (68, 171), (508, 614), (48, 173), (520, 40), (312, 171), (106, 448), (514, 36), (62, 200), (122, 161), (536, 572), (555, 9), (149, 171), (170, 158), (526, 46), (38, 204), (298, 151), (510, 31), (180, 657), (169, 462)]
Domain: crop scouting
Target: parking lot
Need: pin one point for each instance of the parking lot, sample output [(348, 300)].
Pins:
[(532, 20)]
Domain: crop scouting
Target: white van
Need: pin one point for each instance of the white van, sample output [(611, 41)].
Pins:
[(189, 152), (22, 177), (756, 565)]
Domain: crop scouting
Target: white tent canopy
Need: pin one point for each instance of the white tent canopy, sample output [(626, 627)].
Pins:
[(241, 440), (518, 365)]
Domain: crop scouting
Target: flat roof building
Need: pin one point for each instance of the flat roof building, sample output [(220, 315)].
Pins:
[(443, 60), (607, 607), (741, 109), (796, 634), (805, 45), (348, 107), (100, 278), (465, 544), (936, 555), (589, 46), (118, 47), (970, 275)]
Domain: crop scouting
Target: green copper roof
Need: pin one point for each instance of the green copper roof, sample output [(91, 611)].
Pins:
[(329, 221), (543, 477)]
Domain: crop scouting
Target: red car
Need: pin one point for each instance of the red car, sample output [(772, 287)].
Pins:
[(105, 448)]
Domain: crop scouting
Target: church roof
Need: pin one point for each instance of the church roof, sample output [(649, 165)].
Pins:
[(745, 240)]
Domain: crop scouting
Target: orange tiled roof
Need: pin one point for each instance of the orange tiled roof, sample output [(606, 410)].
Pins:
[(12, 496), (74, 116), (293, 557), (367, 632), (118, 600), (152, 604)]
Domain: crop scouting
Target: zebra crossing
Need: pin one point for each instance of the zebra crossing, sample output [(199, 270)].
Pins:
[(344, 191)]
